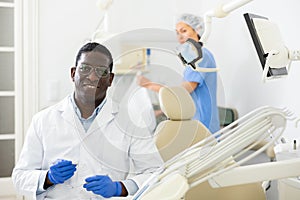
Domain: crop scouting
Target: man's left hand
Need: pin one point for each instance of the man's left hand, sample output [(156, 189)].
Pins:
[(103, 185)]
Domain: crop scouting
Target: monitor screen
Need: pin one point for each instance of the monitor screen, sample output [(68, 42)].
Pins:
[(266, 37)]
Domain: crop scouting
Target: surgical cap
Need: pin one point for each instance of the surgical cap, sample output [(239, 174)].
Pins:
[(193, 21)]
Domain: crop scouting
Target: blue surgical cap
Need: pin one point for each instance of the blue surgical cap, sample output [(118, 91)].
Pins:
[(196, 22)]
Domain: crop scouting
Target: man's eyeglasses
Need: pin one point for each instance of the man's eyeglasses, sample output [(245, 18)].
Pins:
[(85, 69)]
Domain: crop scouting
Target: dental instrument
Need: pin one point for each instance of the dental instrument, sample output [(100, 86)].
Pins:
[(214, 161)]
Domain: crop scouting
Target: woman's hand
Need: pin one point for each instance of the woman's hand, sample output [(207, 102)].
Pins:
[(142, 81)]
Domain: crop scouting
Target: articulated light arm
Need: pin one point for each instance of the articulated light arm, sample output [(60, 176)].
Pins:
[(294, 55), (275, 57), (101, 29), (220, 11)]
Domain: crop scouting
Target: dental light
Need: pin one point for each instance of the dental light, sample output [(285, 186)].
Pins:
[(274, 56)]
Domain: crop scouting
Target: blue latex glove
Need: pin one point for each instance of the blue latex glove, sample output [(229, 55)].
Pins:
[(61, 171), (103, 185)]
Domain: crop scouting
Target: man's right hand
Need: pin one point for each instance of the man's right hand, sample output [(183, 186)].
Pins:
[(61, 171)]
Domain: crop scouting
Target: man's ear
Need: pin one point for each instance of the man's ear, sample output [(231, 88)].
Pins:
[(111, 78), (73, 70)]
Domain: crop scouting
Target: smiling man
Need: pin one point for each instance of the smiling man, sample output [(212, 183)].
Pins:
[(83, 147), (92, 76)]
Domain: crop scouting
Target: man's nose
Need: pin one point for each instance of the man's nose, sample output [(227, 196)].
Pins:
[(93, 76)]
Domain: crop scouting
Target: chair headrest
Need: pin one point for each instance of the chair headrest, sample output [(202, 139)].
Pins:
[(176, 103)]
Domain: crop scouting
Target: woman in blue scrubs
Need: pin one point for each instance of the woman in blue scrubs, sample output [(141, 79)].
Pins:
[(201, 85)]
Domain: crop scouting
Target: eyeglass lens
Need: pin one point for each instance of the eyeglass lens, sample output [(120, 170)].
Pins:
[(87, 69)]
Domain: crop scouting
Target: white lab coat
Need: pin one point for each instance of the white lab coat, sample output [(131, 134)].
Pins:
[(110, 146)]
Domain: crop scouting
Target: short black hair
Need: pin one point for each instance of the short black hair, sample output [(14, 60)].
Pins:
[(94, 46)]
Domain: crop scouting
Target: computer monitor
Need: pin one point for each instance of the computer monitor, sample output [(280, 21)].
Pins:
[(266, 38)]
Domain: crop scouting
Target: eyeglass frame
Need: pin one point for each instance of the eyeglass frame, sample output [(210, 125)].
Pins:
[(94, 69)]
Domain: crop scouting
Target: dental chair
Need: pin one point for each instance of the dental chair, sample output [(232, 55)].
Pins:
[(180, 132), (214, 161)]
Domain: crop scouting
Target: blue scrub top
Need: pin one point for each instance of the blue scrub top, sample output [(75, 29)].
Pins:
[(204, 94)]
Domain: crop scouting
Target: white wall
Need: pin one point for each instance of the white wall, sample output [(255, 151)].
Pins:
[(65, 25), (240, 68)]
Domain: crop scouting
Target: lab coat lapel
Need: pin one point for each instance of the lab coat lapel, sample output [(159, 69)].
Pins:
[(106, 114), (68, 114)]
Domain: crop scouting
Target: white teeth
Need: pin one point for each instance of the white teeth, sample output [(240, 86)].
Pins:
[(90, 86)]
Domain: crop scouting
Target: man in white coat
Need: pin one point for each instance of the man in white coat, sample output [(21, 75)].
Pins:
[(84, 147)]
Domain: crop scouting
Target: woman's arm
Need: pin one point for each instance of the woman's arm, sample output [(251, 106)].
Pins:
[(189, 86), (146, 83)]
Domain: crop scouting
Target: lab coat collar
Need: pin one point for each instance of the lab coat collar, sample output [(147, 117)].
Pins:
[(66, 110), (107, 113)]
